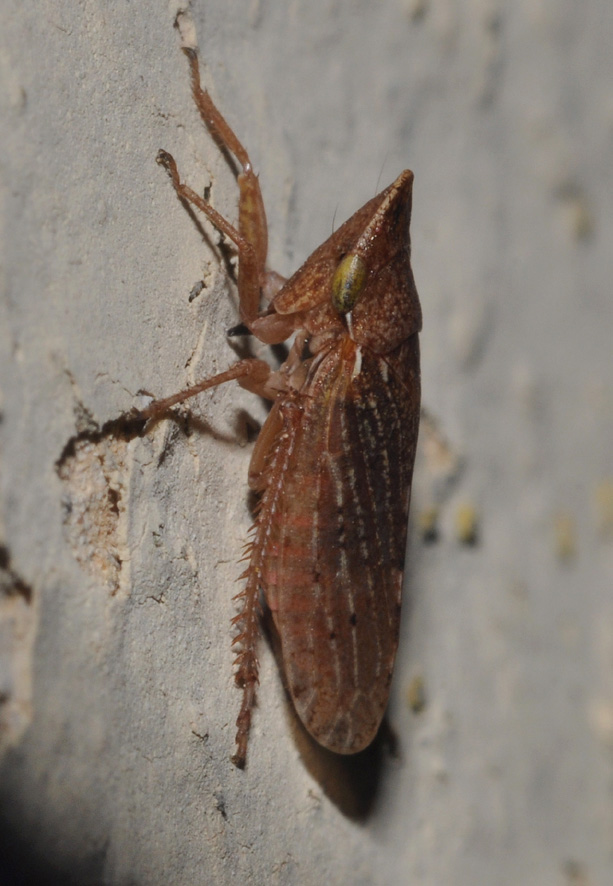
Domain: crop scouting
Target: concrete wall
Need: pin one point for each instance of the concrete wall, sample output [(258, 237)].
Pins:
[(119, 557)]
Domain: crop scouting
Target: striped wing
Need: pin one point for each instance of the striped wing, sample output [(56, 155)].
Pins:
[(333, 530)]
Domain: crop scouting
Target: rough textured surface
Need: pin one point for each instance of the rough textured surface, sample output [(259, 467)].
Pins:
[(118, 707)]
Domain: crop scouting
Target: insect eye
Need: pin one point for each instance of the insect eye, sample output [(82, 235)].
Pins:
[(348, 282)]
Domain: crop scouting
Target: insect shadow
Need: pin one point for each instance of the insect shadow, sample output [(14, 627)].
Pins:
[(349, 781)]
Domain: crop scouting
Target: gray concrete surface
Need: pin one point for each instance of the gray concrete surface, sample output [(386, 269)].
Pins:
[(119, 558)]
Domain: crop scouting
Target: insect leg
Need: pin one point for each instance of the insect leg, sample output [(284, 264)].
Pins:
[(246, 677), (253, 278), (249, 278), (252, 374)]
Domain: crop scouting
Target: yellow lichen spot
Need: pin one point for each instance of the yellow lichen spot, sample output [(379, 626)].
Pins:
[(603, 506), (466, 524), (428, 523), (348, 282), (416, 694), (564, 536)]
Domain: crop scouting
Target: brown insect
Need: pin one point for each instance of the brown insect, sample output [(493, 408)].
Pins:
[(334, 459)]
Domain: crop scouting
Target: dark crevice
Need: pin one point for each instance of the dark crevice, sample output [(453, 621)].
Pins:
[(11, 583)]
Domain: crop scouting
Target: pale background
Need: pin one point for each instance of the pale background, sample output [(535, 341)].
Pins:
[(119, 560)]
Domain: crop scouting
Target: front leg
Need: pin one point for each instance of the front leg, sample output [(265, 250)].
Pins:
[(251, 237), (252, 225), (250, 272)]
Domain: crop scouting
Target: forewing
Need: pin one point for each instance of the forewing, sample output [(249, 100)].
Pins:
[(336, 538)]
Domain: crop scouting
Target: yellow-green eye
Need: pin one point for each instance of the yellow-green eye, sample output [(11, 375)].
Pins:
[(348, 282)]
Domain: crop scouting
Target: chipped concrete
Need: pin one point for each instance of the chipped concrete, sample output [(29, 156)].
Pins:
[(93, 473)]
